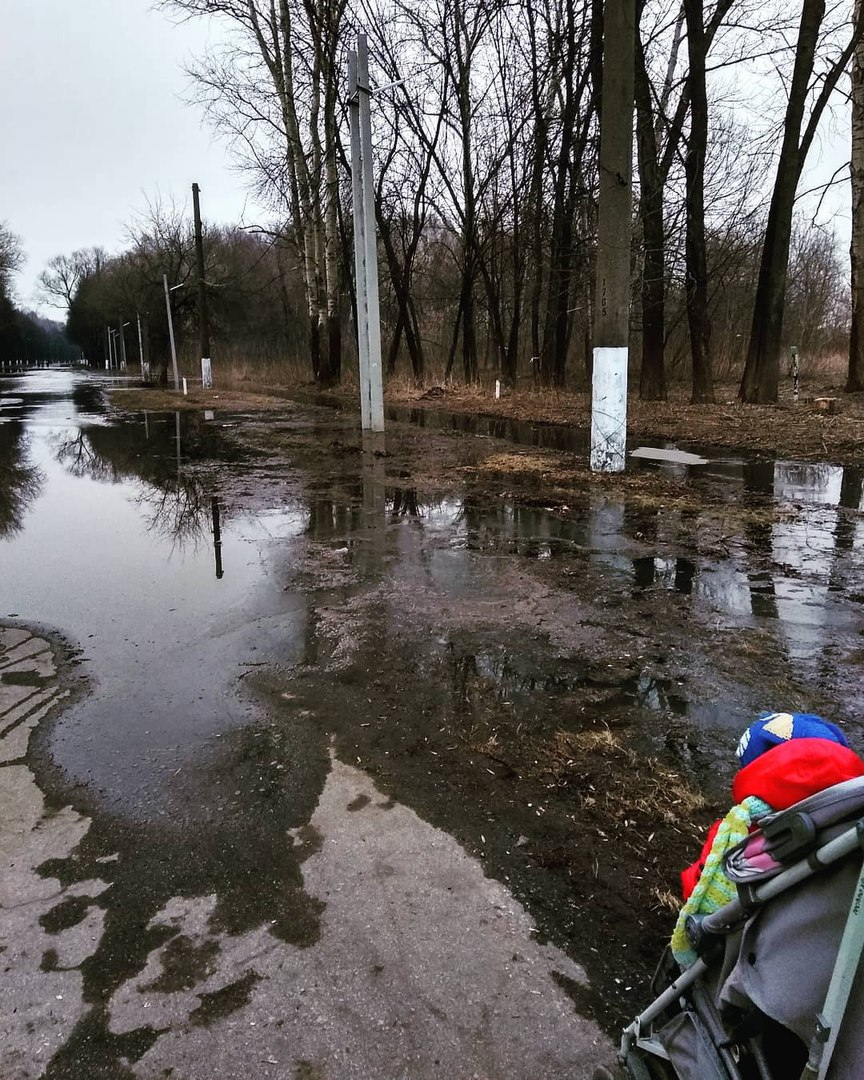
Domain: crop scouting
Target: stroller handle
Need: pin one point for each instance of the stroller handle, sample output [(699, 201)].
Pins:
[(725, 919)]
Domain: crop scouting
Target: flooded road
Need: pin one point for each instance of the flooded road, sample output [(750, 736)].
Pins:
[(366, 767)]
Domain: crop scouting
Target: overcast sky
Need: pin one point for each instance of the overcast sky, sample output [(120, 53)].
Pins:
[(92, 123)]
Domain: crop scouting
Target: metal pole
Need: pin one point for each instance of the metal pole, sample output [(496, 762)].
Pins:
[(123, 343), (203, 324), (171, 332), (612, 298), (108, 349), (141, 347), (376, 390), (359, 242)]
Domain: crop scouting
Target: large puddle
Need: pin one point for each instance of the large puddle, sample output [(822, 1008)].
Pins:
[(387, 615), (115, 534)]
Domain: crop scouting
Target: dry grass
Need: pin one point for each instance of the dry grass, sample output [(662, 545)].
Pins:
[(785, 429), (151, 399), (616, 781)]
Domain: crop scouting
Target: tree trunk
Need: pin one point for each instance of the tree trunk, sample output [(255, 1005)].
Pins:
[(652, 384), (694, 166), (855, 380), (762, 370)]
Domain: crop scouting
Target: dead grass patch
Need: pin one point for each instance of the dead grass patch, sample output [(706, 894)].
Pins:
[(152, 399), (615, 781)]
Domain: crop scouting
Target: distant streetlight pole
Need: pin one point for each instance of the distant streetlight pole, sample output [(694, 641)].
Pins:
[(171, 329), (144, 373), (123, 325), (108, 349), (203, 322)]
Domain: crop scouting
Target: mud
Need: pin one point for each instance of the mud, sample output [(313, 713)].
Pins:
[(550, 669)]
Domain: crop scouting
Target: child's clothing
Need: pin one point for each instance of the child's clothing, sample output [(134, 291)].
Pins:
[(791, 766)]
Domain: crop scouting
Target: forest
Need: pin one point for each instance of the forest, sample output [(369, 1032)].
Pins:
[(486, 134), (26, 337)]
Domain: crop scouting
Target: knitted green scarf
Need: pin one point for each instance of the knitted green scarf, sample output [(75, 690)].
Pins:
[(714, 889)]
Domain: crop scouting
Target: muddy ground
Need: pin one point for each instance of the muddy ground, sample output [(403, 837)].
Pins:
[(570, 724), (788, 429)]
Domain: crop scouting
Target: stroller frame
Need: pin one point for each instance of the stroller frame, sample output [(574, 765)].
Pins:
[(640, 1041)]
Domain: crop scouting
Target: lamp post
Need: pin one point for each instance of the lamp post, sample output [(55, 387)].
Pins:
[(123, 326), (171, 327), (144, 371)]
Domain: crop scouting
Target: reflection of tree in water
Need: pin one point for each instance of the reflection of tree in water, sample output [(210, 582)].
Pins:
[(160, 453), (20, 483)]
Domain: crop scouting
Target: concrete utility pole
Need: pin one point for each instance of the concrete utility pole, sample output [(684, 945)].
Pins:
[(203, 324), (123, 325), (171, 332), (108, 343), (612, 298), (144, 372), (365, 243)]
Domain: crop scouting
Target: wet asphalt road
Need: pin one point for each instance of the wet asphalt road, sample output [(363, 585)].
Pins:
[(188, 891)]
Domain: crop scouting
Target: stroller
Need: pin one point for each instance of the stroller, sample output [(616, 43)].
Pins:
[(774, 994)]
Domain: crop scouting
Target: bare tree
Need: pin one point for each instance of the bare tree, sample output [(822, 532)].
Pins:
[(275, 93), (762, 370), (59, 281), (855, 380)]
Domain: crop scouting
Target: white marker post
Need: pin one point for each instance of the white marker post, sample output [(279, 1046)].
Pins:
[(612, 298), (365, 243)]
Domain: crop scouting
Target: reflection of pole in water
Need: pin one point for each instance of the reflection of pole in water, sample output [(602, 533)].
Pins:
[(146, 426), (374, 495), (217, 536), (177, 429), (374, 499)]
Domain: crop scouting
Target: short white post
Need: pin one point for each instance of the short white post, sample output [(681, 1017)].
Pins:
[(609, 410), (185, 388), (497, 389)]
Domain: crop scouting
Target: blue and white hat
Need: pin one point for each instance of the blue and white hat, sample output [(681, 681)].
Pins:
[(771, 729)]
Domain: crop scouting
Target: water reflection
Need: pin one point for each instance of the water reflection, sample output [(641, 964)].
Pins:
[(176, 500), (20, 481)]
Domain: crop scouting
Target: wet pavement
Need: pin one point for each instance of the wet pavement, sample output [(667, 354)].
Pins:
[(319, 800)]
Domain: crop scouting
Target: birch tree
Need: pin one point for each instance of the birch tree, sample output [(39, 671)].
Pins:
[(855, 380), (274, 91), (762, 369)]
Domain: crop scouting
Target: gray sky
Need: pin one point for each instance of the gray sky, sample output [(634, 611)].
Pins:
[(93, 124)]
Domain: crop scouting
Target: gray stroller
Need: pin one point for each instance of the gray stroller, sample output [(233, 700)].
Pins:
[(774, 993)]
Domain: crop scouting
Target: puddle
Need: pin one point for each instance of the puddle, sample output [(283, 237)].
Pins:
[(446, 644)]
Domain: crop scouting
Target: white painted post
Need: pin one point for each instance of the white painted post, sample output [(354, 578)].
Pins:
[(497, 389), (609, 410), (365, 242), (185, 389)]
